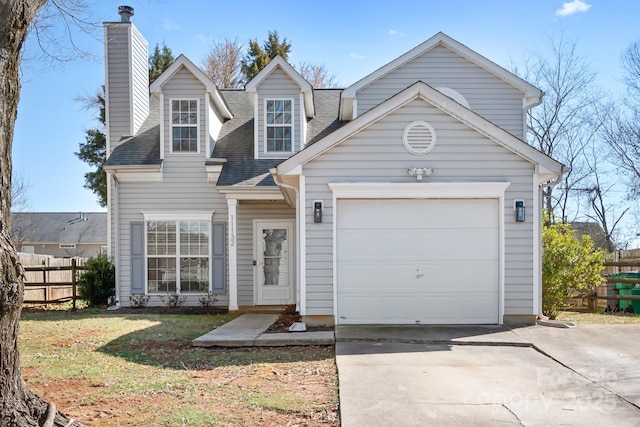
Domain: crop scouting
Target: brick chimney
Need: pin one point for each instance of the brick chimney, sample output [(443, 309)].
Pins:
[(126, 78)]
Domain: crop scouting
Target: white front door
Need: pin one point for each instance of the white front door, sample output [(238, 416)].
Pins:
[(273, 262)]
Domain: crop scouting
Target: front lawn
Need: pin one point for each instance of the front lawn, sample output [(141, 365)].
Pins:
[(599, 318), (108, 369)]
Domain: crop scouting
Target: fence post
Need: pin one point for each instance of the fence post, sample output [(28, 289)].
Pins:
[(73, 281), (44, 281)]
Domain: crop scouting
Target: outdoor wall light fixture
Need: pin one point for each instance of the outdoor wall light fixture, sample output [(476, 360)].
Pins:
[(317, 211), (518, 206), (420, 172)]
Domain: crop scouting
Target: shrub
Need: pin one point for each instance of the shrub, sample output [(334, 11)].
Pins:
[(173, 300), (98, 282), (138, 300), (569, 266)]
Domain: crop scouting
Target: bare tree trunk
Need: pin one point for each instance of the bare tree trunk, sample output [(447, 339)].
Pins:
[(18, 405)]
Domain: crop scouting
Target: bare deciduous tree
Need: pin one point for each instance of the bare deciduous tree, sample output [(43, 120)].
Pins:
[(19, 406), (561, 125), (317, 75), (222, 64)]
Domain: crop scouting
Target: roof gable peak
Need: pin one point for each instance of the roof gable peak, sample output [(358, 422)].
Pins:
[(184, 62)]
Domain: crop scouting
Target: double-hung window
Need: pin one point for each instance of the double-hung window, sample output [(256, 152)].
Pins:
[(184, 125), (178, 256), (279, 125)]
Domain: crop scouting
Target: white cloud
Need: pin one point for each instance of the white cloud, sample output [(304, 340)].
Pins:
[(356, 56), (170, 25), (204, 39), (395, 33), (575, 6)]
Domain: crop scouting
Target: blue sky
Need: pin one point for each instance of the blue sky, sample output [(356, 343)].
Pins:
[(350, 38)]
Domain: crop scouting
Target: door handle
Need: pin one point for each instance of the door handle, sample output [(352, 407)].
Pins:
[(256, 262)]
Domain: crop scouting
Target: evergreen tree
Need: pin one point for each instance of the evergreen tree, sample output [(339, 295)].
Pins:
[(258, 57), (159, 61)]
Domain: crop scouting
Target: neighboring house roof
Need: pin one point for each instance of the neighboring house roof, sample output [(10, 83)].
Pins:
[(546, 167), (62, 227), (594, 230), (532, 93)]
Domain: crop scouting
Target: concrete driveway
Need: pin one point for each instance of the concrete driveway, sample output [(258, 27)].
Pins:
[(479, 376)]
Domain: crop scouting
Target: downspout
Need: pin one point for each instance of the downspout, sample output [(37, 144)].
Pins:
[(299, 216), (547, 184), (116, 231)]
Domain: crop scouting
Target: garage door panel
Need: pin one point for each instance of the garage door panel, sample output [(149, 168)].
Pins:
[(418, 261), (419, 244), (434, 214)]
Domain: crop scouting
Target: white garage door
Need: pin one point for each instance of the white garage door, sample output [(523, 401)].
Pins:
[(418, 261)]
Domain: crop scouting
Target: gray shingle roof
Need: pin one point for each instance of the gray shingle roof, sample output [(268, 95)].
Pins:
[(235, 142), (144, 148), (61, 227)]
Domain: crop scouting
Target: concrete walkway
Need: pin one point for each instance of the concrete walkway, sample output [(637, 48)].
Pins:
[(249, 330)]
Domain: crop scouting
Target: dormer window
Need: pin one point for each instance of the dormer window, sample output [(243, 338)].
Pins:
[(279, 123), (184, 125)]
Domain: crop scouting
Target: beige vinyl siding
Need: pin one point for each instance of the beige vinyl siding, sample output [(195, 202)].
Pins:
[(247, 211), (117, 84), (140, 78), (376, 154), (278, 86), (488, 95)]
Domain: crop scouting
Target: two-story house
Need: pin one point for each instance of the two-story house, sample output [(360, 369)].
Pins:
[(408, 197)]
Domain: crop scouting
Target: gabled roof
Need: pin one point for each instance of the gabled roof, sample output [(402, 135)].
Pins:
[(532, 94), (62, 227), (183, 62), (279, 62), (546, 167)]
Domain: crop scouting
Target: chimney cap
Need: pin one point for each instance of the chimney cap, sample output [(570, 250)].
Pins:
[(126, 12)]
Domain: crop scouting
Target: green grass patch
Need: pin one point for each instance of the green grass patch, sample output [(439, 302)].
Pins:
[(282, 402), (190, 417)]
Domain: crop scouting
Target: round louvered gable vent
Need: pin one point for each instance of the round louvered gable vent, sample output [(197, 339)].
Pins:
[(419, 137)]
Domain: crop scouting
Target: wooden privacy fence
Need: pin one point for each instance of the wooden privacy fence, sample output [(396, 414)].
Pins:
[(51, 280), (617, 262)]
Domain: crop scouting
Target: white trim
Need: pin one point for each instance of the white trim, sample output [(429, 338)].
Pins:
[(177, 215), (276, 125), (139, 175), (163, 121), (235, 193), (301, 218), (537, 247), (457, 190), (303, 126), (207, 137), (106, 90), (233, 253), (188, 125), (256, 128)]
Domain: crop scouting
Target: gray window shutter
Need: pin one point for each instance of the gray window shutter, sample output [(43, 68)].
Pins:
[(218, 257), (137, 257)]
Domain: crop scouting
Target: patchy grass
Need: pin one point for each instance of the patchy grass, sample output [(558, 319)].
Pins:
[(599, 318), (109, 369)]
